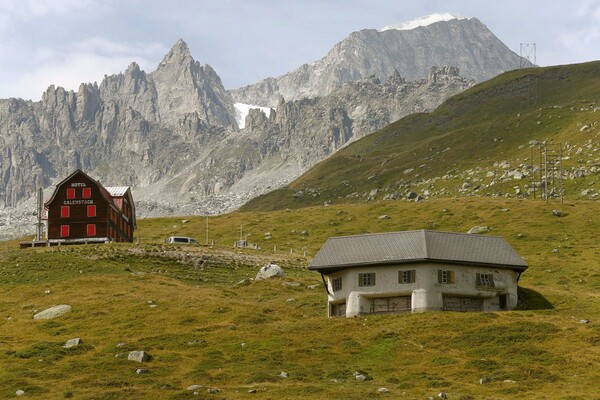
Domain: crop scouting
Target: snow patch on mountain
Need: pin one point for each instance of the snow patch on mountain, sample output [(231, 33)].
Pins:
[(423, 21), (242, 110)]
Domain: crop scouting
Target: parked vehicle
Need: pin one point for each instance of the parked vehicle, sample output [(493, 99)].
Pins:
[(181, 240)]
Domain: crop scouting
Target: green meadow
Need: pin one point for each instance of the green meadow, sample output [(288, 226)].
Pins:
[(204, 320)]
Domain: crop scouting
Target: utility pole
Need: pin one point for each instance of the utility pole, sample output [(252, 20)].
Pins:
[(39, 226)]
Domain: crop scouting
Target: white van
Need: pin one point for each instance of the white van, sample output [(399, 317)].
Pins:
[(181, 240)]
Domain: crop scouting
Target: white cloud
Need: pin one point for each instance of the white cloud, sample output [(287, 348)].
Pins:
[(30, 9), (84, 61), (13, 13), (582, 43), (581, 37)]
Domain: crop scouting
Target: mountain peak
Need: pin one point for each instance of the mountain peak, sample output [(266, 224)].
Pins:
[(180, 47), (423, 21), (179, 53)]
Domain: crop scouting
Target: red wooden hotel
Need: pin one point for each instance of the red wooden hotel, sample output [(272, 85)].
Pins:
[(81, 210)]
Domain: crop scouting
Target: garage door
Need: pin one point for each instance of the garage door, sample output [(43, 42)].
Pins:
[(452, 303), (390, 304)]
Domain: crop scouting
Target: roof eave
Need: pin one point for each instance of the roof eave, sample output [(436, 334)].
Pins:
[(327, 269)]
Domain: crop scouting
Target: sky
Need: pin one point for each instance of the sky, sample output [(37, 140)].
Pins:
[(67, 42)]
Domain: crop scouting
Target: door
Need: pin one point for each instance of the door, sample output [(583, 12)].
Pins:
[(338, 310)]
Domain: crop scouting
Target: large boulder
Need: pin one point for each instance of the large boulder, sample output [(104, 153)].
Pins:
[(72, 343), (139, 356), (478, 230), (270, 271), (53, 312)]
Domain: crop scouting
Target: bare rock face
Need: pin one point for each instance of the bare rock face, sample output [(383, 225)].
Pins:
[(132, 89), (459, 42), (184, 86), (272, 151), (130, 130)]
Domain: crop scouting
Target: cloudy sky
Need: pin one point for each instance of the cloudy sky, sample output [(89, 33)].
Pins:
[(66, 42)]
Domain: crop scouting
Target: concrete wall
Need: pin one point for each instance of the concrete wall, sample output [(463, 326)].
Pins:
[(426, 293)]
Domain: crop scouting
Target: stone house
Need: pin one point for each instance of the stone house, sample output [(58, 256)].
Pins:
[(416, 271)]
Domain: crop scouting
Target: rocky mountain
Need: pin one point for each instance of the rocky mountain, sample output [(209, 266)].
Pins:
[(190, 167), (272, 150), (172, 133), (410, 48), (134, 128)]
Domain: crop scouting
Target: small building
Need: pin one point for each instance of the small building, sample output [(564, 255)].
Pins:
[(81, 210), (416, 271)]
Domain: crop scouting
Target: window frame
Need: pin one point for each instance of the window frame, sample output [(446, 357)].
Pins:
[(407, 276), (366, 279), (91, 228), (65, 211), (484, 280), (86, 193), (94, 208), (70, 193), (446, 276), (336, 284), (65, 231)]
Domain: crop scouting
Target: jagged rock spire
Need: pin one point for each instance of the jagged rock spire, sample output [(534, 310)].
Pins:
[(180, 52)]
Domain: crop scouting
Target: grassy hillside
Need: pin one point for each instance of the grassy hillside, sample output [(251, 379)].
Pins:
[(464, 140), (209, 324)]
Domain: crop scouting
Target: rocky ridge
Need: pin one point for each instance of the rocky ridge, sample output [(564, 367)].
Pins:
[(194, 167), (465, 43)]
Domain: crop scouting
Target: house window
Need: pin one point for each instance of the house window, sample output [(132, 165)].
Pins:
[(91, 211), (65, 211), (485, 280), (87, 193), (407, 276), (70, 193), (366, 279), (91, 229), (64, 231), (445, 276), (336, 284)]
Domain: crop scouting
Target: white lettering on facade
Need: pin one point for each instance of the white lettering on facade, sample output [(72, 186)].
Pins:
[(78, 184), (77, 202)]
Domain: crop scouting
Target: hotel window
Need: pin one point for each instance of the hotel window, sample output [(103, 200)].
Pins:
[(91, 230), (64, 230), (87, 193), (91, 211), (367, 279), (485, 280), (336, 284), (445, 276), (70, 193), (65, 211), (407, 276)]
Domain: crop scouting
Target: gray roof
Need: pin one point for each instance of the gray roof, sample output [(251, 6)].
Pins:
[(415, 246), (117, 191)]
